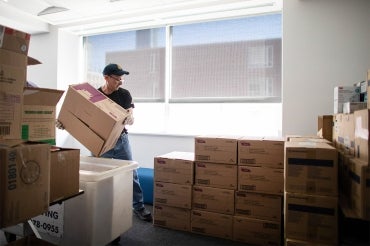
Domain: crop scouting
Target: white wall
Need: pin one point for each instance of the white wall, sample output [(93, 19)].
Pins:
[(43, 47), (325, 43)]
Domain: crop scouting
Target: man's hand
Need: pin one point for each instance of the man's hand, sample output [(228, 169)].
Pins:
[(130, 117), (59, 125)]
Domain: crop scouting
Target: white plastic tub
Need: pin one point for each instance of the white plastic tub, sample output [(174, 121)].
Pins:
[(104, 211)]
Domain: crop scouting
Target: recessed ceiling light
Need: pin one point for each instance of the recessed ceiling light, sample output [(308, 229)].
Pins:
[(52, 10)]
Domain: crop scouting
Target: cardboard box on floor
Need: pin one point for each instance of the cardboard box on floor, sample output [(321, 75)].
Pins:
[(302, 209), (256, 231), (211, 224), (172, 217), (38, 118), (92, 118), (64, 173), (24, 181)]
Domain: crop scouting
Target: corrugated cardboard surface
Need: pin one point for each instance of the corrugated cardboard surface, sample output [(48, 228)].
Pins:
[(13, 68), (311, 168), (92, 118), (64, 173), (25, 181), (38, 118), (311, 218)]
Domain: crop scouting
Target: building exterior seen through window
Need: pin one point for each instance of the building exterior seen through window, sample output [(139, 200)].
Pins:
[(234, 62)]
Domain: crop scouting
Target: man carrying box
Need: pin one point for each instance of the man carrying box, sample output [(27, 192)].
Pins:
[(122, 150)]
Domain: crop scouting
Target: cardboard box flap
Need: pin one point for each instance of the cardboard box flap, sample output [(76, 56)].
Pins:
[(41, 96), (32, 61), (10, 142)]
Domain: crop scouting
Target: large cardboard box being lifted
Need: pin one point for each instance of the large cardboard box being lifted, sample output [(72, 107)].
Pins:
[(92, 118)]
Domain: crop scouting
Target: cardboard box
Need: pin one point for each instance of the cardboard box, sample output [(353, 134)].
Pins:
[(297, 138), (92, 118), (312, 139), (213, 199), (176, 195), (64, 173), (311, 218), (216, 175), (344, 94), (361, 119), (216, 149), (24, 181), (344, 181), (175, 167), (256, 232), (351, 107), (359, 175), (311, 168), (212, 224), (258, 205), (261, 152), (325, 127), (344, 132), (38, 118), (13, 68), (172, 217), (261, 179), (14, 40)]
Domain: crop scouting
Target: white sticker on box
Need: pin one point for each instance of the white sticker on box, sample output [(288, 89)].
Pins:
[(52, 221)]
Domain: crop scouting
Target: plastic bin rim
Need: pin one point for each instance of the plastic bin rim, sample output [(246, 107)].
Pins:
[(93, 176)]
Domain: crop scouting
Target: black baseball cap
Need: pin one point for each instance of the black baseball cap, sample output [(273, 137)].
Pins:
[(114, 69)]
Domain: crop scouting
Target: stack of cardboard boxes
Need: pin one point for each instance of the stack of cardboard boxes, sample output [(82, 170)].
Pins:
[(173, 182), (258, 204), (30, 169), (351, 138), (214, 186), (311, 191), (231, 188)]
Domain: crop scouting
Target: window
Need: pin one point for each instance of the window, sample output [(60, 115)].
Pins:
[(228, 59), (141, 52), (220, 77)]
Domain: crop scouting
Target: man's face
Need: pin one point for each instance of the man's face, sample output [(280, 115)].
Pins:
[(114, 82)]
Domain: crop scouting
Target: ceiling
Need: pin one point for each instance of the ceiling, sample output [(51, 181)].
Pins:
[(86, 17)]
